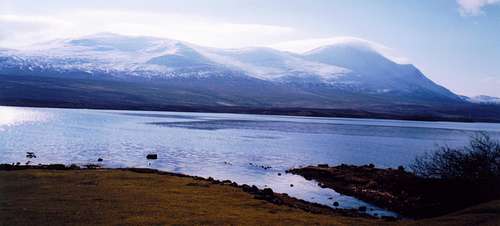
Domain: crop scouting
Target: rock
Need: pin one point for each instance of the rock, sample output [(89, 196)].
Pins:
[(92, 166), (245, 188), (216, 182), (323, 165), (30, 155), (74, 167), (254, 189), (389, 218), (362, 208), (265, 167), (99, 159), (5, 166), (268, 192), (291, 185), (279, 174), (336, 204), (152, 156), (56, 167)]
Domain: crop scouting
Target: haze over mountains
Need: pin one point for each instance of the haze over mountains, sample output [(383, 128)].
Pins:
[(115, 71)]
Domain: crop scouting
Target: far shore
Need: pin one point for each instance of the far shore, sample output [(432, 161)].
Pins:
[(301, 112), (59, 195)]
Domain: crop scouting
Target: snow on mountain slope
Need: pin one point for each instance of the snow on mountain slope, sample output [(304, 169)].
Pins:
[(109, 54), (482, 99), (373, 72), (270, 64), (354, 67)]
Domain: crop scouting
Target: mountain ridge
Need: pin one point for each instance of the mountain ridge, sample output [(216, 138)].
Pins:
[(336, 76)]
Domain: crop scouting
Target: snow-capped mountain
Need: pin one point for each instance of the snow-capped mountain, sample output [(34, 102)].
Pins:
[(323, 77), (147, 56), (482, 99), (372, 72), (108, 54)]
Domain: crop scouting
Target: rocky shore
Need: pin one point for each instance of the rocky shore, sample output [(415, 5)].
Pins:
[(399, 190)]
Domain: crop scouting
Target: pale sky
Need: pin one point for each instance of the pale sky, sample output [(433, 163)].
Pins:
[(456, 43)]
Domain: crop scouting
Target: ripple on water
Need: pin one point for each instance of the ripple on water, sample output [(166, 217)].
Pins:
[(12, 116)]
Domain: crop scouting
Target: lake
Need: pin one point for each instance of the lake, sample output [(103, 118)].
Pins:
[(237, 147)]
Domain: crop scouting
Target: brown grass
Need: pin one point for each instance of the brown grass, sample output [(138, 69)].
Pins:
[(111, 197), (486, 214)]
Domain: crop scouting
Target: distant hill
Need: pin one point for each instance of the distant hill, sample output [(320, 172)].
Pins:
[(482, 99), (127, 72)]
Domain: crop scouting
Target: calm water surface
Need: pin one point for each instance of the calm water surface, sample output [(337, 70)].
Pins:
[(225, 146)]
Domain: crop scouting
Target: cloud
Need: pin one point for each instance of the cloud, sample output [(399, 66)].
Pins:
[(474, 7), (300, 46), (18, 30)]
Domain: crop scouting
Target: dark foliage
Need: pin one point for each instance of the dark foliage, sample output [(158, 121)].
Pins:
[(478, 161)]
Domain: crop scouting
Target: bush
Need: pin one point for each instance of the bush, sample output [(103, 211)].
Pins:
[(480, 160)]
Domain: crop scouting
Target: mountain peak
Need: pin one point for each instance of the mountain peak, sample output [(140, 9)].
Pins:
[(356, 55), (351, 44), (104, 35), (349, 64)]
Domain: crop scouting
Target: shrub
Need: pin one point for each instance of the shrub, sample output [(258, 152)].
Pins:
[(479, 160)]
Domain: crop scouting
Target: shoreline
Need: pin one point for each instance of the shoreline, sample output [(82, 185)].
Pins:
[(32, 193), (266, 194), (298, 112), (58, 194), (401, 191)]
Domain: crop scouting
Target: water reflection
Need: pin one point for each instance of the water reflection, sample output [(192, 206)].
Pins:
[(11, 116)]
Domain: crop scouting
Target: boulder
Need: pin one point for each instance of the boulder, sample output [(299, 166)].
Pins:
[(152, 156)]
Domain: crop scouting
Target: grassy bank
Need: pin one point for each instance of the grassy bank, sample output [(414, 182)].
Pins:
[(110, 197), (138, 197)]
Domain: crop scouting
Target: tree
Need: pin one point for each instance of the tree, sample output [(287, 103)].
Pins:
[(479, 160)]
